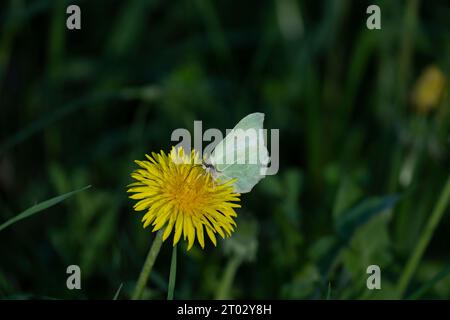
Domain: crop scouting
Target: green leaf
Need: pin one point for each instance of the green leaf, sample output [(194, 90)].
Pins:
[(39, 207), (348, 222), (347, 195)]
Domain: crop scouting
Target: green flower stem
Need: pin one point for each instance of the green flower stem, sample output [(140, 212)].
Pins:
[(148, 265), (228, 277), (173, 274), (425, 238)]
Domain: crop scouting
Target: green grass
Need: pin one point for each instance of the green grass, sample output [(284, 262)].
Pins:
[(362, 176), (39, 207)]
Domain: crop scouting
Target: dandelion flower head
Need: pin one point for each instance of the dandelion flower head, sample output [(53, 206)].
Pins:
[(429, 89), (177, 193)]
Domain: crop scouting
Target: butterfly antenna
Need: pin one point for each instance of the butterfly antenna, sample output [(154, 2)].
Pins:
[(190, 169)]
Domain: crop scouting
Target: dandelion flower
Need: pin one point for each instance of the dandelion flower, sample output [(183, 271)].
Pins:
[(428, 89), (178, 194)]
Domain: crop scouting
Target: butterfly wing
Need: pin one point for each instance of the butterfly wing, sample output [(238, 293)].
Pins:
[(242, 154)]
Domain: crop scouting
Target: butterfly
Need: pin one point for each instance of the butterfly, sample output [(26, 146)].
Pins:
[(241, 155)]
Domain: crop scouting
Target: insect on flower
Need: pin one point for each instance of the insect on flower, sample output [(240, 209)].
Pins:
[(190, 198)]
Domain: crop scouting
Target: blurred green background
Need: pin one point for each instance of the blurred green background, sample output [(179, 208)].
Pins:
[(364, 124)]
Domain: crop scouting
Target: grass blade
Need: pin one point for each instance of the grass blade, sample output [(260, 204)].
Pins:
[(39, 207), (427, 286), (116, 296), (424, 239), (329, 291), (49, 118)]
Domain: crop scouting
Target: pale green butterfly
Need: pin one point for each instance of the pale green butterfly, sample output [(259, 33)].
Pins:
[(242, 155)]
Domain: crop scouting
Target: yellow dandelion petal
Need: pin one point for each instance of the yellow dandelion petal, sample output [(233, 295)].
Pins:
[(211, 235), (178, 228), (190, 231), (177, 194), (162, 218), (170, 225), (148, 219), (200, 237)]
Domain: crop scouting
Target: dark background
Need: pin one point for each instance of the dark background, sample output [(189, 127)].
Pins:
[(362, 162)]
